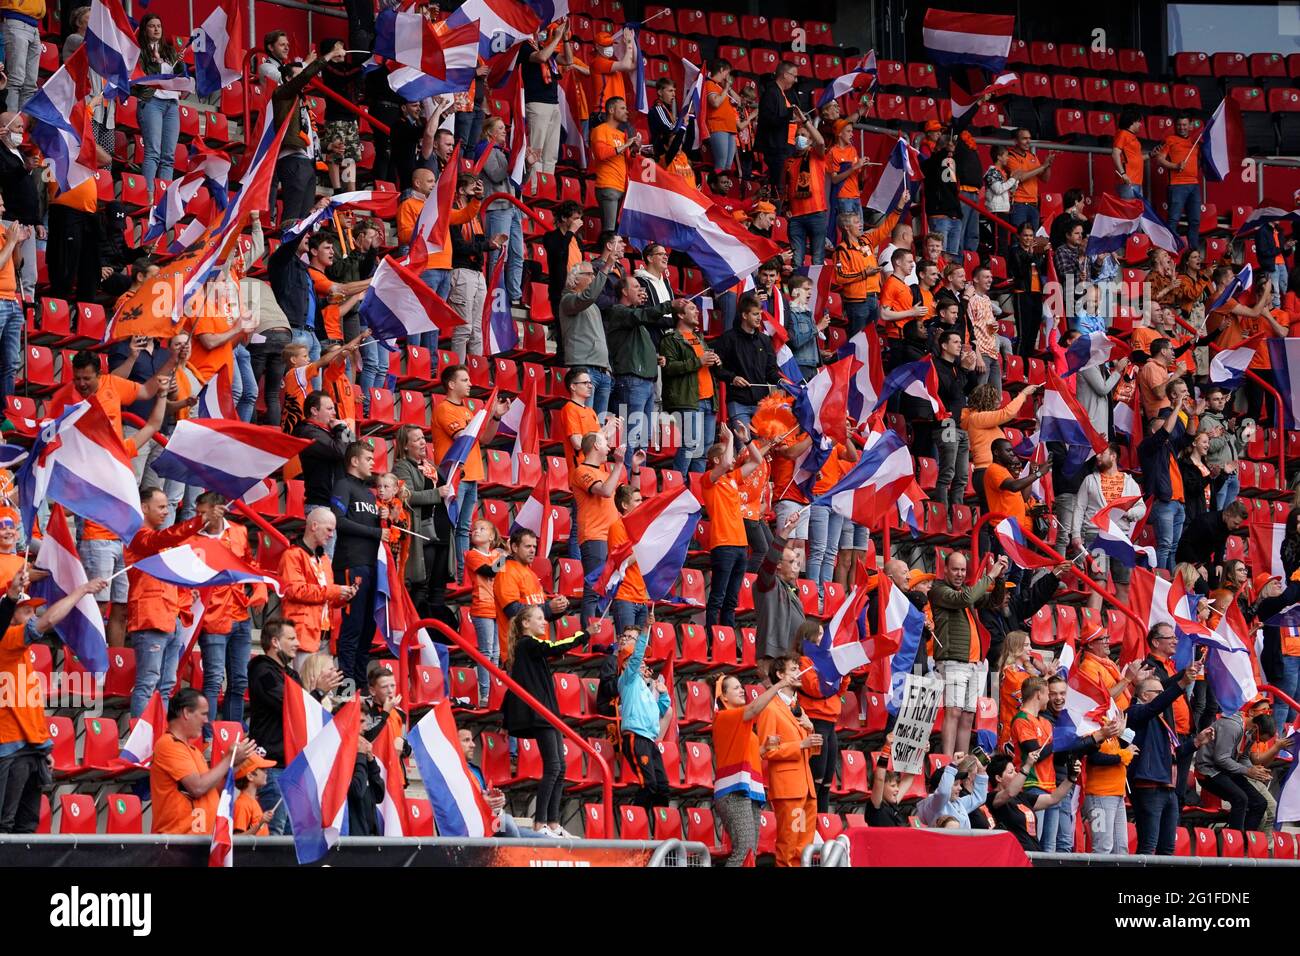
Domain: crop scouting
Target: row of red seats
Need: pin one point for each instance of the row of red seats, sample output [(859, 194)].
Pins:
[(1226, 65)]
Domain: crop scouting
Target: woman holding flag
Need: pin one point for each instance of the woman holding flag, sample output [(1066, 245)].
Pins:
[(160, 109)]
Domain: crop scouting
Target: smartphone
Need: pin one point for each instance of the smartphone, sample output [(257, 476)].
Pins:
[(979, 754)]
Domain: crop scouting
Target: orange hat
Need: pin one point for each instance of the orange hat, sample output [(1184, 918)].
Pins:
[(604, 39), (933, 126), (740, 215), (1261, 699), (28, 600), (838, 127), (1261, 579), (1097, 632), (625, 652), (917, 576), (760, 207), (255, 762), (8, 514)]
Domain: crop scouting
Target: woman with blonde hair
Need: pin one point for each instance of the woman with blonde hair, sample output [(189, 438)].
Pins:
[(526, 658), (485, 550), (1015, 665), (983, 418), (313, 667)]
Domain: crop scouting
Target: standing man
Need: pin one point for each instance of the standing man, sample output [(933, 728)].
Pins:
[(630, 329), (361, 524), (777, 125), (322, 460), (1023, 166), (688, 392), (1126, 153), (584, 332), (805, 193), (309, 588), (610, 149), (747, 362), (1179, 156), (594, 483), (20, 52)]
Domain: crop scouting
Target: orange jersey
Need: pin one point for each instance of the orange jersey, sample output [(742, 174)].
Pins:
[(309, 592), (1035, 729), (516, 583), (579, 420), (449, 420), (722, 503), (1128, 144), (596, 512), (173, 810), (609, 165), (248, 816), (482, 604), (632, 587), (23, 716)]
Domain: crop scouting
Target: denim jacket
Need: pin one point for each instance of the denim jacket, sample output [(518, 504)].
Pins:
[(803, 338)]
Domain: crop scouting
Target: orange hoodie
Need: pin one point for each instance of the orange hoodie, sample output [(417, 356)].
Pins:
[(309, 590), (155, 605)]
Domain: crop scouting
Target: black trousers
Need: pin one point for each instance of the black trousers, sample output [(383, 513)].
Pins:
[(297, 178), (823, 764), (1248, 804), (72, 254), (23, 777), (644, 757), (550, 789), (1029, 319)]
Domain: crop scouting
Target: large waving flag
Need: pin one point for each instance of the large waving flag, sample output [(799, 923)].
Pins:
[(152, 724), (1240, 283), (432, 230), (61, 124), (537, 515), (570, 127), (111, 47), (829, 394), (808, 466), (501, 24), (868, 378), (302, 715), (870, 490), (1148, 595), (215, 398), (398, 303), (380, 203), (500, 334), (315, 784), (964, 94), (1223, 141), (1061, 417), (660, 207), (1091, 350), (221, 852), (212, 170), (522, 419), (1285, 354), (1184, 606), (411, 39), (1088, 706), (1228, 368), (841, 648), (774, 328), (226, 456), (1114, 540), (1017, 546), (861, 77), (460, 47), (82, 631), (1271, 211), (1266, 548), (79, 461), (903, 639), (967, 39), (218, 46), (391, 602), (452, 466), (459, 809), (1118, 219), (659, 536), (204, 563), (694, 103), (901, 169), (917, 379), (392, 812), (517, 143), (1230, 666)]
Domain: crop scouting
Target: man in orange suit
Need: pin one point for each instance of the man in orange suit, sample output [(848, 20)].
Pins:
[(786, 743)]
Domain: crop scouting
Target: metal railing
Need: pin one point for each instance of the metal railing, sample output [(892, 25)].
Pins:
[(680, 853), (834, 852)]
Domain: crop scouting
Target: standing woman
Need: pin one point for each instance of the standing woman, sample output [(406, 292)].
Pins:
[(1027, 268), (786, 741), (738, 784), (341, 138), (1197, 476), (824, 711), (720, 115), (160, 110), (503, 218), (525, 659)]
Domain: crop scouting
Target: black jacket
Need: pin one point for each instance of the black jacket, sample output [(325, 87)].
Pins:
[(955, 383), (365, 794), (18, 187), (773, 131), (1018, 267), (940, 189), (291, 283), (1153, 455), (532, 671), (556, 244), (1204, 539), (322, 460), (266, 677), (359, 531), (467, 248), (750, 356)]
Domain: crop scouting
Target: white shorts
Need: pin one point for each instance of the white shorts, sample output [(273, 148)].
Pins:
[(786, 508), (963, 683)]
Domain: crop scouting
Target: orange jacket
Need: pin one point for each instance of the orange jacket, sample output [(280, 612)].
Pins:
[(786, 765), (228, 604), (309, 590), (20, 719), (814, 705), (155, 605)]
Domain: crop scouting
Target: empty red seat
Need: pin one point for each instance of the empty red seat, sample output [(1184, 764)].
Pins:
[(1070, 122), (1191, 64), (1043, 53), (124, 815), (76, 813), (1157, 95), (1073, 56), (1229, 64), (1132, 62), (1251, 99)]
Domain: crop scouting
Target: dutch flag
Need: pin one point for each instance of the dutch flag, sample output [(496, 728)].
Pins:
[(315, 784)]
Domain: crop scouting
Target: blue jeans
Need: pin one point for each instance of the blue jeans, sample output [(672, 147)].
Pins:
[(950, 228), (1048, 821), (511, 222), (1155, 812), (358, 626), (1280, 283), (156, 657), (1023, 212), (1289, 685), (438, 280), (634, 402), (823, 544), (160, 126), (11, 344), (737, 411), (1168, 517), (723, 148), (805, 231), (970, 227), (225, 657), (594, 554), (308, 338), (724, 303), (861, 314), (1186, 199), (466, 502), (489, 645), (847, 207), (373, 370), (727, 572), (268, 796), (245, 385), (602, 384), (699, 432), (626, 614), (1228, 492), (1108, 824), (1128, 191), (469, 126)]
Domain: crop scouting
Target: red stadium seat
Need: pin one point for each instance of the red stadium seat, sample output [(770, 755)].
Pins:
[(1203, 842), (1191, 64), (76, 813), (1044, 54), (633, 823), (124, 815), (668, 823), (63, 737), (1157, 95), (594, 826), (700, 827), (1073, 56), (698, 766), (1229, 64), (1186, 96)]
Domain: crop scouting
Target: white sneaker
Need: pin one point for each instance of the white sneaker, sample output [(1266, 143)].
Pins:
[(563, 833), (546, 832)]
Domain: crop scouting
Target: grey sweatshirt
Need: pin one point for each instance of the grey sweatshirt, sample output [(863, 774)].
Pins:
[(1220, 754), (584, 332)]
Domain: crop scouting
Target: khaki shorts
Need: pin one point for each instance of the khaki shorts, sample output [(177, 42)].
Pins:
[(963, 683)]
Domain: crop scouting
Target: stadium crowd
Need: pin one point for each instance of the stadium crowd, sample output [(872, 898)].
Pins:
[(649, 385)]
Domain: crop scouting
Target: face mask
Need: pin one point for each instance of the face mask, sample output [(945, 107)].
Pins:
[(607, 51), (16, 138), (801, 142)]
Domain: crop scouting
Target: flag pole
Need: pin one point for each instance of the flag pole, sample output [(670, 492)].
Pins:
[(413, 534)]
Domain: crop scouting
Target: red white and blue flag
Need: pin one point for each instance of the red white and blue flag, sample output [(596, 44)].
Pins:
[(432, 229), (411, 39), (1017, 546), (148, 727), (1061, 417), (774, 328), (1096, 348), (452, 465), (1230, 665), (1114, 540), (881, 477), (398, 304), (501, 24), (1149, 598), (500, 334), (216, 397), (1266, 548), (660, 207), (212, 169), (61, 124), (1088, 706), (1223, 142), (861, 77), (393, 809), (1240, 284), (82, 631), (459, 809), (302, 715), (1228, 368), (378, 202), (221, 852), (460, 52), (841, 648), (1183, 607), (1272, 211), (903, 639), (517, 144), (828, 392), (522, 420), (218, 47), (1117, 220), (902, 169), (1285, 354), (917, 379), (204, 563), (868, 379), (659, 535), (967, 39), (963, 96), (315, 784), (694, 104), (225, 456), (79, 461), (111, 46), (174, 82), (538, 516)]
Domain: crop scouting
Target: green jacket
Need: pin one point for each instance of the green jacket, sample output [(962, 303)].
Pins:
[(627, 334), (952, 631), (681, 382)]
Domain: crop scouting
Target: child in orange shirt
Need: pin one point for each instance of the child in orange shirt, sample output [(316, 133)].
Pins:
[(303, 374), (248, 817), (485, 550), (393, 494)]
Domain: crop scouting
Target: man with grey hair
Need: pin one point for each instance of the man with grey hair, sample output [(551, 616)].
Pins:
[(580, 320), (309, 588)]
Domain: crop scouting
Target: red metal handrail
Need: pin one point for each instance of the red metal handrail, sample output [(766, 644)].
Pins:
[(1270, 689), (992, 217), (606, 777), (1059, 558), (361, 111)]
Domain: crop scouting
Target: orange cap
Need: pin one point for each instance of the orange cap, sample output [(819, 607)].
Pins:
[(760, 207), (255, 762), (604, 39), (933, 126)]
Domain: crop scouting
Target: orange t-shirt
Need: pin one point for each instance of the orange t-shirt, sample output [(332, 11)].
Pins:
[(834, 469), (721, 118), (293, 395), (609, 165), (408, 214), (482, 604), (896, 295), (1128, 144), (632, 587), (1017, 162), (783, 472), (19, 718), (8, 275), (205, 362), (736, 753), (248, 816), (753, 492), (1176, 150), (449, 419), (330, 316), (1151, 377), (595, 511), (577, 420), (813, 182), (851, 186), (516, 582), (340, 387), (1036, 728), (704, 381), (114, 392), (1242, 327), (1003, 502), (83, 198), (1105, 674), (1013, 678), (173, 810), (722, 502), (10, 565), (606, 82)]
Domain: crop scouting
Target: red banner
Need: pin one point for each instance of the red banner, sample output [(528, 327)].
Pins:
[(906, 846)]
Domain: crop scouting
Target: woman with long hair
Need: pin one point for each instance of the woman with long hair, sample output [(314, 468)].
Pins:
[(1015, 665), (503, 218), (160, 110), (983, 418), (526, 658), (1198, 477)]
